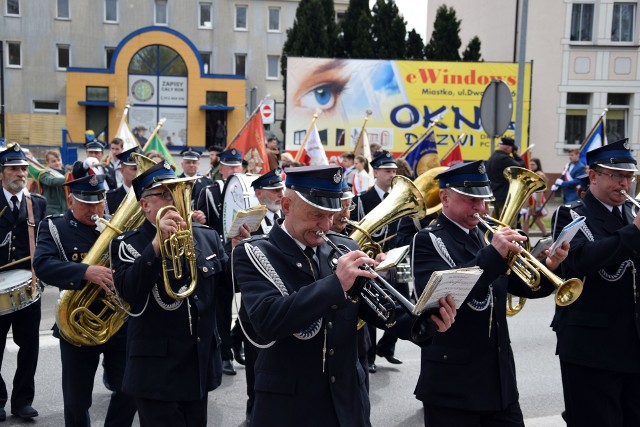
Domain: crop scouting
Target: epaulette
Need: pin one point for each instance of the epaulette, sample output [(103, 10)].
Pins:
[(37, 196), (128, 234), (113, 190), (54, 216), (256, 238), (338, 235), (197, 224), (434, 226), (575, 204)]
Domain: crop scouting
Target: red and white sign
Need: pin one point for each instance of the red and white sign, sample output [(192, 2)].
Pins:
[(267, 110)]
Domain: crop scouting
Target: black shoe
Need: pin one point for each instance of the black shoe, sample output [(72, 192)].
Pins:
[(391, 359), (238, 355), (372, 368), (227, 367), (25, 412), (3, 414)]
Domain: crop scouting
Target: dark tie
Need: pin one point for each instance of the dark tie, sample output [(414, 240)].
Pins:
[(310, 253), (384, 196), (275, 217), (618, 214), (16, 207), (473, 233)]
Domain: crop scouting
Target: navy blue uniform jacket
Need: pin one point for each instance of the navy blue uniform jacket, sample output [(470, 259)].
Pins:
[(165, 361), (291, 386), (602, 328), (14, 235), (465, 368)]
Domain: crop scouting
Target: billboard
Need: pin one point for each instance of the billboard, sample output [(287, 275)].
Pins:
[(402, 98)]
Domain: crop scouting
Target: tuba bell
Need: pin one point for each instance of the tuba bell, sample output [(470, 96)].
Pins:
[(90, 316), (178, 249)]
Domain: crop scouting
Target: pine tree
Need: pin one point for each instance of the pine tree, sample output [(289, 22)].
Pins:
[(415, 46), (472, 51), (388, 30), (356, 40), (445, 40)]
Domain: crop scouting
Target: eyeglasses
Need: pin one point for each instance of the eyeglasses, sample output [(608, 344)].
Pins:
[(349, 208), (166, 195), (618, 177)]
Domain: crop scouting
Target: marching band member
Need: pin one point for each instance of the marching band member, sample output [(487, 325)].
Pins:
[(190, 165), (128, 170), (16, 208), (477, 345), (93, 164), (173, 353), (599, 335), (310, 376), (63, 241)]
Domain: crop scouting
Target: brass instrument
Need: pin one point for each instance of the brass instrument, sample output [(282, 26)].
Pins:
[(179, 246), (528, 269), (416, 199), (375, 292), (90, 316), (634, 202)]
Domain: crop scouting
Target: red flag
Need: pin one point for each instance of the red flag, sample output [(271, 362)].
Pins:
[(525, 159), (453, 157), (250, 141)]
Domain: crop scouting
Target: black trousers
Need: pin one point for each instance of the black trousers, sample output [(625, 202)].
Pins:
[(224, 299), (387, 344), (158, 413), (598, 397), (440, 416), (26, 335), (79, 365)]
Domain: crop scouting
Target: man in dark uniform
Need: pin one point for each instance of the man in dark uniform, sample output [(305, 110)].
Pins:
[(310, 376), (500, 160), (384, 170), (16, 207), (190, 168), (63, 241), (210, 202), (173, 356), (93, 162), (599, 335), (128, 170), (477, 346)]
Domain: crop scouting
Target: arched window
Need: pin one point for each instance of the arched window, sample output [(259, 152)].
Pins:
[(159, 60)]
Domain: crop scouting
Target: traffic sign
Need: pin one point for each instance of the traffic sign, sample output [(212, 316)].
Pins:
[(496, 108), (268, 112)]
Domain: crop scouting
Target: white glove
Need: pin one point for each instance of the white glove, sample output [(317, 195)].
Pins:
[(559, 182), (90, 162), (554, 187)]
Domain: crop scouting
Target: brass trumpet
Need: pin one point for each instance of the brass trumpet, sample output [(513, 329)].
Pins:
[(375, 292), (633, 201), (178, 247), (528, 269)]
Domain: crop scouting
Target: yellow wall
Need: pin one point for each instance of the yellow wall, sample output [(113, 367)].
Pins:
[(118, 87), (35, 129)]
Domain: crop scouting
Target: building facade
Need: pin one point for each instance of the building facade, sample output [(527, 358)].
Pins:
[(585, 60), (201, 64)]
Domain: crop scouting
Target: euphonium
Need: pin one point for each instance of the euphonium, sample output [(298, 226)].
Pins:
[(178, 248), (90, 316)]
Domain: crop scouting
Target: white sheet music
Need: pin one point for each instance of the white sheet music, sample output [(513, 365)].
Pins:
[(457, 283)]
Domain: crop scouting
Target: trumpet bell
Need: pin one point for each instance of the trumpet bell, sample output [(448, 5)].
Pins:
[(568, 292)]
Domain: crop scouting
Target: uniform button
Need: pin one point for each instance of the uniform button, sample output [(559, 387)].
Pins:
[(445, 357), (14, 237), (205, 269), (149, 263), (331, 352), (498, 349), (330, 325), (335, 307), (498, 324), (299, 265), (195, 297), (198, 339), (13, 248), (333, 379)]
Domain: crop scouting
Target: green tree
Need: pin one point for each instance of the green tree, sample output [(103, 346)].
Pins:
[(415, 46), (445, 39), (388, 30), (472, 51), (356, 40)]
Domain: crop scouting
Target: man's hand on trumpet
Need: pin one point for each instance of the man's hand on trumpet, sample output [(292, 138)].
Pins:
[(505, 240)]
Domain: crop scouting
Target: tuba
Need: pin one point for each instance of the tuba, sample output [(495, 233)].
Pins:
[(178, 248), (90, 316)]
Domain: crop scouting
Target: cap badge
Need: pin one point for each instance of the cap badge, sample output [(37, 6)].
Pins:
[(626, 145), (16, 148), (481, 169), (234, 152), (93, 181), (338, 176)]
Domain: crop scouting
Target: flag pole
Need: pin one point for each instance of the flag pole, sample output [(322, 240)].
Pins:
[(246, 123), (462, 135), (125, 119), (415, 144), (593, 129), (306, 138), (362, 129), (154, 133)]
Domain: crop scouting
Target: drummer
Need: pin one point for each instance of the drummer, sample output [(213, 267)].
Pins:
[(210, 202), (20, 215)]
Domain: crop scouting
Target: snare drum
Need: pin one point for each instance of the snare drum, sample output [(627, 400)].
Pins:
[(15, 291), (238, 194)]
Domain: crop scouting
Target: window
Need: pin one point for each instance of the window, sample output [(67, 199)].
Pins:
[(622, 25), (14, 54), (240, 64), (576, 117), (63, 57), (582, 22), (111, 10), (97, 93), (241, 17), (206, 61), (216, 98), (51, 107), (13, 7), (340, 16), (62, 9), (109, 52), (274, 19), (161, 12), (205, 20), (618, 105), (272, 66)]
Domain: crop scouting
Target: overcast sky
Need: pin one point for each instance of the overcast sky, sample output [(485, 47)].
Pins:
[(415, 13)]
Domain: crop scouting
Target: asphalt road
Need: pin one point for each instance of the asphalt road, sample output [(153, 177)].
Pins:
[(393, 403)]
